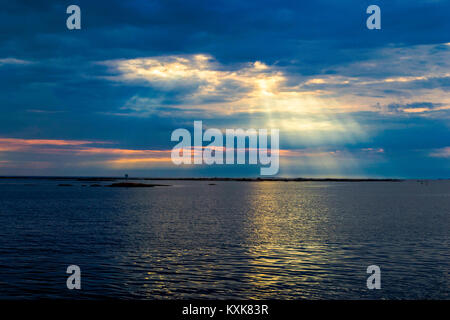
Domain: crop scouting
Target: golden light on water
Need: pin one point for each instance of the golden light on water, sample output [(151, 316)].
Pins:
[(276, 227)]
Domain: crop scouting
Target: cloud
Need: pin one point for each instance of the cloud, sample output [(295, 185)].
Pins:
[(200, 82), (13, 61), (200, 78), (19, 143), (50, 153), (47, 154), (414, 108), (204, 87), (140, 69), (441, 153)]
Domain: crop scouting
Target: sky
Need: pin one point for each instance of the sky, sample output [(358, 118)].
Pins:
[(104, 100)]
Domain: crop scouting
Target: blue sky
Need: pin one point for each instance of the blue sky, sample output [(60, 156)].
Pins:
[(103, 100)]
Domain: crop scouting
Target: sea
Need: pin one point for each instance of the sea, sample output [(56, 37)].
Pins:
[(295, 240)]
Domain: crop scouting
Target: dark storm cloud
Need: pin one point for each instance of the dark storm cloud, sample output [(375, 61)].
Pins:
[(229, 30)]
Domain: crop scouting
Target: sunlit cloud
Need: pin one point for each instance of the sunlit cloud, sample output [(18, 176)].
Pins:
[(213, 90), (250, 88), (306, 105)]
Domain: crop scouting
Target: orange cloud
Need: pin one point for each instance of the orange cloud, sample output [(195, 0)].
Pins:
[(441, 153), (12, 142), (45, 153)]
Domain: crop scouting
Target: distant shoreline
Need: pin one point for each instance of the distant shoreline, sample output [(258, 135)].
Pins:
[(97, 179)]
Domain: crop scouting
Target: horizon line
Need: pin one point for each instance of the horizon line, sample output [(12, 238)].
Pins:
[(361, 179)]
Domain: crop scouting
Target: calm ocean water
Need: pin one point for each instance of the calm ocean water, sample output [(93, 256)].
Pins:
[(237, 240)]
